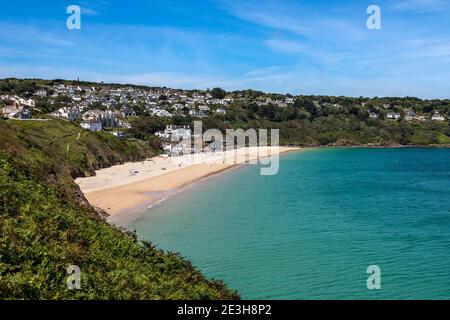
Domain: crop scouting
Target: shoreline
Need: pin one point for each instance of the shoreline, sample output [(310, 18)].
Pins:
[(135, 211), (129, 189), (123, 196), (388, 146)]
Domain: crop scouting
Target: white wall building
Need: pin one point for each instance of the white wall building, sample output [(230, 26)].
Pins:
[(393, 115), (437, 116), (71, 114), (92, 125)]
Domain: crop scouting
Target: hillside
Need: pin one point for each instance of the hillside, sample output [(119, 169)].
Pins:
[(45, 226), (302, 120)]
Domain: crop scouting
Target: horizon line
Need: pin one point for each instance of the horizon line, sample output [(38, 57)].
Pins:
[(228, 91)]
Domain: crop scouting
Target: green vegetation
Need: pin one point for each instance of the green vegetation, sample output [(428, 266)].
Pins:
[(312, 121), (306, 121), (335, 130), (218, 93), (58, 150), (45, 225)]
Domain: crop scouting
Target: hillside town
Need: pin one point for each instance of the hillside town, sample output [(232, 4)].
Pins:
[(112, 108), (116, 104)]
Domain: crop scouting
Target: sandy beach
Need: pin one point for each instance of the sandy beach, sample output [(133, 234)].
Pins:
[(132, 187)]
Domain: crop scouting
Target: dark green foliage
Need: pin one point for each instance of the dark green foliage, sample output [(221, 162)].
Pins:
[(218, 93), (19, 87), (305, 123)]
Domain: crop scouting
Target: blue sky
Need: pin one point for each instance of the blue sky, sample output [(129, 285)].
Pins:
[(298, 47)]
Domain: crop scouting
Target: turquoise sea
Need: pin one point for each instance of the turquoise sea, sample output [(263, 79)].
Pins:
[(311, 231)]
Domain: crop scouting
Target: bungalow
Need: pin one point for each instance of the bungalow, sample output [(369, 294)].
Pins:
[(193, 113), (373, 115), (24, 114), (127, 112), (92, 125), (118, 134), (223, 102), (203, 108), (71, 114), (175, 133), (410, 115), (160, 113), (179, 106), (221, 111), (181, 148), (18, 101), (437, 116), (26, 102), (12, 112), (393, 115), (6, 111), (107, 118), (41, 93), (123, 124)]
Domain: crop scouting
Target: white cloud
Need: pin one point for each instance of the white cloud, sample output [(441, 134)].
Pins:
[(32, 35), (297, 19), (421, 6), (88, 11)]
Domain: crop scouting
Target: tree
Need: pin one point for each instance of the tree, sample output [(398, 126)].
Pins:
[(308, 105), (218, 93)]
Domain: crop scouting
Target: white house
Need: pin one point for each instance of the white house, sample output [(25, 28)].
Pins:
[(71, 114), (193, 112), (118, 134), (127, 112), (179, 106), (221, 111), (393, 115), (18, 101), (410, 115), (437, 116), (203, 108), (373, 115), (41, 93), (175, 133), (92, 125), (159, 112), (9, 110), (107, 118), (24, 102), (13, 112)]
